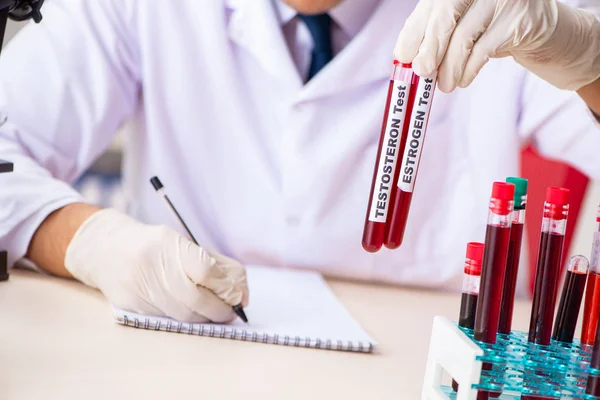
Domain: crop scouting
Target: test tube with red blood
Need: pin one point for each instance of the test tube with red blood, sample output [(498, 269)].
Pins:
[(554, 224), (514, 253), (570, 300), (591, 308), (391, 147), (408, 165), (470, 288), (494, 267)]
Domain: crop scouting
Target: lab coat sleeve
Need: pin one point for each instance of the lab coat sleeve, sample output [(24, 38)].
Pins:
[(66, 86), (560, 125)]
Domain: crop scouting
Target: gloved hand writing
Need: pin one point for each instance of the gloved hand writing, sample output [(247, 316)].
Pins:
[(457, 37), (154, 270)]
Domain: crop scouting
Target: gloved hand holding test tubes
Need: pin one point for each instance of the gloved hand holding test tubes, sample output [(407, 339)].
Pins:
[(403, 131)]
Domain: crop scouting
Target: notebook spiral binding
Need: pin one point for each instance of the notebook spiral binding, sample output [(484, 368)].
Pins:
[(227, 332)]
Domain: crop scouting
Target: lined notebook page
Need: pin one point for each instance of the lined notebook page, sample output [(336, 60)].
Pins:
[(287, 307)]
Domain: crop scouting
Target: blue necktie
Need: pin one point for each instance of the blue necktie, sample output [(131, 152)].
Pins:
[(320, 30)]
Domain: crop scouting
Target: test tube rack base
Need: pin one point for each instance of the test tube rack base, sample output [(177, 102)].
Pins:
[(513, 366)]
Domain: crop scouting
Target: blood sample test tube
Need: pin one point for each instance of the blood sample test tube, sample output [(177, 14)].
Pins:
[(591, 308), (470, 288), (554, 224), (494, 266), (570, 299), (514, 253), (391, 146), (408, 165)]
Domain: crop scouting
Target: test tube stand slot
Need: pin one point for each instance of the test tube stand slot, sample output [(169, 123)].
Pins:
[(518, 367)]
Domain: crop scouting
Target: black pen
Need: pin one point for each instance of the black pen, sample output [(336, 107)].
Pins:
[(158, 186)]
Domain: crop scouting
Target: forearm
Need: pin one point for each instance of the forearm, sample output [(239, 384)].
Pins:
[(591, 95), (50, 241)]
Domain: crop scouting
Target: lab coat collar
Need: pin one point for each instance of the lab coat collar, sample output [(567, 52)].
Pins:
[(254, 25), (367, 58), (286, 13), (350, 15)]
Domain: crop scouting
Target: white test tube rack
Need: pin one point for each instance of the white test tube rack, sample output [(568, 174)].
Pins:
[(563, 369), (451, 350)]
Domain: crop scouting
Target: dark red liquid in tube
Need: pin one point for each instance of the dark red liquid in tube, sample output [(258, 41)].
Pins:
[(546, 284), (494, 267), (408, 165), (510, 279), (491, 283), (391, 144), (570, 300)]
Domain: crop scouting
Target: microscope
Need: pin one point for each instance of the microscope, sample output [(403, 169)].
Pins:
[(17, 10)]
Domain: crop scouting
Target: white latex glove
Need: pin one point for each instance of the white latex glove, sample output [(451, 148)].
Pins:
[(153, 270), (558, 43)]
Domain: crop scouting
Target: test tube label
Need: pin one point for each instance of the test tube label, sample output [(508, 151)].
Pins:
[(595, 253), (416, 134), (471, 284), (389, 151)]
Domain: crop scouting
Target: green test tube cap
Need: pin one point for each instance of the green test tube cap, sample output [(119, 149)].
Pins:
[(520, 191)]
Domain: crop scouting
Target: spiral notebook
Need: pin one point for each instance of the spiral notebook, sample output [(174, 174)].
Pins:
[(287, 307)]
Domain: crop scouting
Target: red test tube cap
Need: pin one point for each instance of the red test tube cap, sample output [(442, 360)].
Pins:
[(503, 191), (557, 196), (503, 194), (404, 65), (474, 258)]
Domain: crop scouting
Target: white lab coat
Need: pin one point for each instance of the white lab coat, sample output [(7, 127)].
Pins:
[(263, 168)]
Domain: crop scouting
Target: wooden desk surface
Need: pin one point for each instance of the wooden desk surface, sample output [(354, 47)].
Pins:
[(58, 341)]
